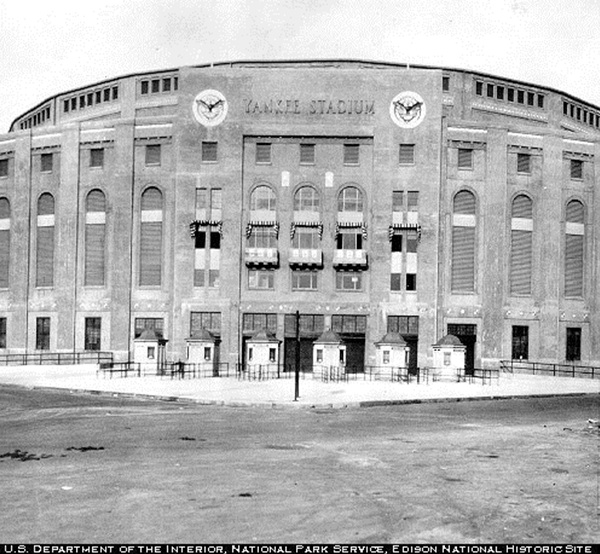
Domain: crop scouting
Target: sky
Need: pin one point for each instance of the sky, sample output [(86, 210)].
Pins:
[(50, 47)]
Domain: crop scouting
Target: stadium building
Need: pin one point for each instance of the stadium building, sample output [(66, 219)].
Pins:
[(368, 197)]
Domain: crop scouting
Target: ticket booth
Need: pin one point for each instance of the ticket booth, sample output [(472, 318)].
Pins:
[(449, 359), (149, 352), (391, 355), (262, 351), (329, 354), (201, 350)]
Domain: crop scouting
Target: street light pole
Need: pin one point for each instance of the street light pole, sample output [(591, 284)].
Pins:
[(297, 370)]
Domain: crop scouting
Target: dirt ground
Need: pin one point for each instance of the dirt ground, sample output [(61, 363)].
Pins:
[(89, 469)]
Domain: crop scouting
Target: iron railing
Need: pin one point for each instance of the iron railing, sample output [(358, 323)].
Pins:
[(184, 370), (56, 358), (547, 369), (120, 369)]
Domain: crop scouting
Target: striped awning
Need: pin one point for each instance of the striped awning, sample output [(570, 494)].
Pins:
[(315, 224), (404, 227), (351, 225), (252, 224), (195, 226)]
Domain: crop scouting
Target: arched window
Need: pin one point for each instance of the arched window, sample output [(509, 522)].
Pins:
[(464, 222), (574, 248), (521, 244), (263, 198), (350, 199), (4, 241), (95, 225), (306, 199), (151, 237), (45, 241)]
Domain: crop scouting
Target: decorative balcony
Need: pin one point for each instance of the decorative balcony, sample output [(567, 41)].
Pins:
[(310, 257), (354, 258), (262, 257)]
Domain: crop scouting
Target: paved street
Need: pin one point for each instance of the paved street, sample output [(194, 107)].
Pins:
[(118, 470)]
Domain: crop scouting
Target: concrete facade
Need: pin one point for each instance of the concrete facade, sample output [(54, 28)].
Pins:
[(327, 110)]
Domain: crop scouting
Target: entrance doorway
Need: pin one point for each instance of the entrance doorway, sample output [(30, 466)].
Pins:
[(467, 334)]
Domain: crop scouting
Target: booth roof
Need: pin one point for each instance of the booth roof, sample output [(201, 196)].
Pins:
[(392, 338), (329, 337), (262, 335), (449, 340)]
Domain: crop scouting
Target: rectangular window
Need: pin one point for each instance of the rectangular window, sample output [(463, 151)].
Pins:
[(200, 239), (490, 91), (510, 94), (73, 103), (407, 154), (198, 277), (94, 266), (155, 85), (403, 324), (500, 93), (261, 279), (215, 199), (411, 281), (144, 89), (201, 198), (90, 98), (209, 151), (213, 278), (445, 83), (215, 240), (349, 324), (256, 322), (153, 154), (46, 162), (310, 325), (478, 88), (351, 154), (565, 108), (166, 85), (42, 336), (530, 99), (306, 237), (151, 253), (65, 108), (412, 200), (45, 257), (411, 241), (262, 237), (573, 353), (349, 241), (2, 332), (106, 94), (211, 321), (540, 100), (523, 163), (82, 101), (304, 280), (520, 342), (115, 93), (155, 324), (520, 97), (307, 154), (263, 152), (348, 280), (98, 97), (397, 242), (4, 167), (465, 158), (97, 157), (398, 201), (92, 333), (396, 281), (577, 169)]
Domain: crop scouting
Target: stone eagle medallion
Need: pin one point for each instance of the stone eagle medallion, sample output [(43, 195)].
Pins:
[(407, 109)]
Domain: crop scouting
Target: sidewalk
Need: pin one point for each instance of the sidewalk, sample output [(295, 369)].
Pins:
[(280, 392)]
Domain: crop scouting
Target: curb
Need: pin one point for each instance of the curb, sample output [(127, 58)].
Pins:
[(297, 406)]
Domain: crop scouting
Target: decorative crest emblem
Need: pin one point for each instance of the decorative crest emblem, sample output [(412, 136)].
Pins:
[(407, 109), (210, 108)]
